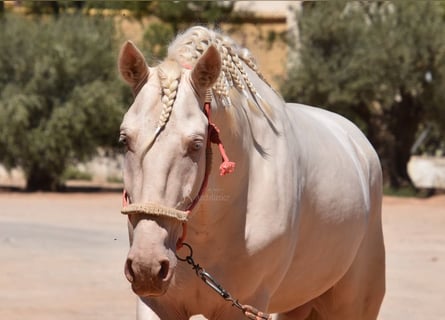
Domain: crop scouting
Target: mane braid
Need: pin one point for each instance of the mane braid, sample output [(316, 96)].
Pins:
[(233, 83), (187, 48), (169, 74)]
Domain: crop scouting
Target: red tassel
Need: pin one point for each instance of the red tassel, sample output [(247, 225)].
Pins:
[(226, 166)]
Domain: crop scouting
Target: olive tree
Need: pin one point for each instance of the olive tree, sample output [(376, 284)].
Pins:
[(60, 96), (382, 64)]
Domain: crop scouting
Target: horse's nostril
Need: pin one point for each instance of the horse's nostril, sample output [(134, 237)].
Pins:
[(129, 272), (165, 270)]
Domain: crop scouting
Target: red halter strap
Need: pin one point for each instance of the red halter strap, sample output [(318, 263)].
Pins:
[(226, 166)]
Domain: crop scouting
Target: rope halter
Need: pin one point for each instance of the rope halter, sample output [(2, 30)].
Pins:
[(155, 210), (227, 166)]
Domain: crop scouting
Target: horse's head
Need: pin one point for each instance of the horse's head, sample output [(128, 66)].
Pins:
[(165, 136)]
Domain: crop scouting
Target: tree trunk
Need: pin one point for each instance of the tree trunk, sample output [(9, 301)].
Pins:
[(402, 122), (42, 180)]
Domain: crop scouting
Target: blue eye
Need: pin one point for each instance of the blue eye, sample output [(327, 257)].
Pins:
[(196, 145)]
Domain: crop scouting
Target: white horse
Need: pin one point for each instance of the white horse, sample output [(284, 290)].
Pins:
[(294, 230)]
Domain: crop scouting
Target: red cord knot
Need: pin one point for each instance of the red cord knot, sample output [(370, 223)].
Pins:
[(226, 166)]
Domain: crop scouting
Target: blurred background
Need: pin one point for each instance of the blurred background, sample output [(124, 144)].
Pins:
[(380, 63)]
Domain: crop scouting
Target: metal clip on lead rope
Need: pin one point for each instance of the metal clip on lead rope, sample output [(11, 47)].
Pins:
[(248, 311)]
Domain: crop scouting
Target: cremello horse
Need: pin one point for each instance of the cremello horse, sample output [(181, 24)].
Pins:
[(294, 230)]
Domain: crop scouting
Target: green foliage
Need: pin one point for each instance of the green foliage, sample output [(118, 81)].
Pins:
[(381, 64), (177, 14), (60, 97), (138, 8), (115, 179), (192, 12), (156, 39), (72, 173), (404, 192)]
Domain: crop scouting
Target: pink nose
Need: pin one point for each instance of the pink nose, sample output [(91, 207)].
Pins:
[(148, 279)]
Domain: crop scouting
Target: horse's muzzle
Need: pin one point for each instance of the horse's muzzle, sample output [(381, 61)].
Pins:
[(149, 279)]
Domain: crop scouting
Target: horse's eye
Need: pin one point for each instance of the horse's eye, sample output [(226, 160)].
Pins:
[(196, 145), (123, 139)]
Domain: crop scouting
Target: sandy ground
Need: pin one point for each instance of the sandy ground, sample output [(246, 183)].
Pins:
[(62, 256)]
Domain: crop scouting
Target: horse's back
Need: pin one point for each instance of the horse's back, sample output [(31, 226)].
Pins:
[(335, 151), (341, 191)]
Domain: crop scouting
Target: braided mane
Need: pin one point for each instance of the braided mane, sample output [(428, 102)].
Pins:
[(233, 88), (187, 48)]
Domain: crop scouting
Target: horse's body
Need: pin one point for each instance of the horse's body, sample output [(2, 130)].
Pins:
[(295, 230)]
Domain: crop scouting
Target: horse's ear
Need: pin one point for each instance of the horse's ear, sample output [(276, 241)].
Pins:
[(132, 65), (207, 69)]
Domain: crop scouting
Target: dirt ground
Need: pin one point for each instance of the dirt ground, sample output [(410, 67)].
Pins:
[(62, 258)]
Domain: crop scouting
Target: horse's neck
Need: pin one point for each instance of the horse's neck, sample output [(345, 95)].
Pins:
[(249, 127), (222, 204), (223, 193), (245, 136)]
